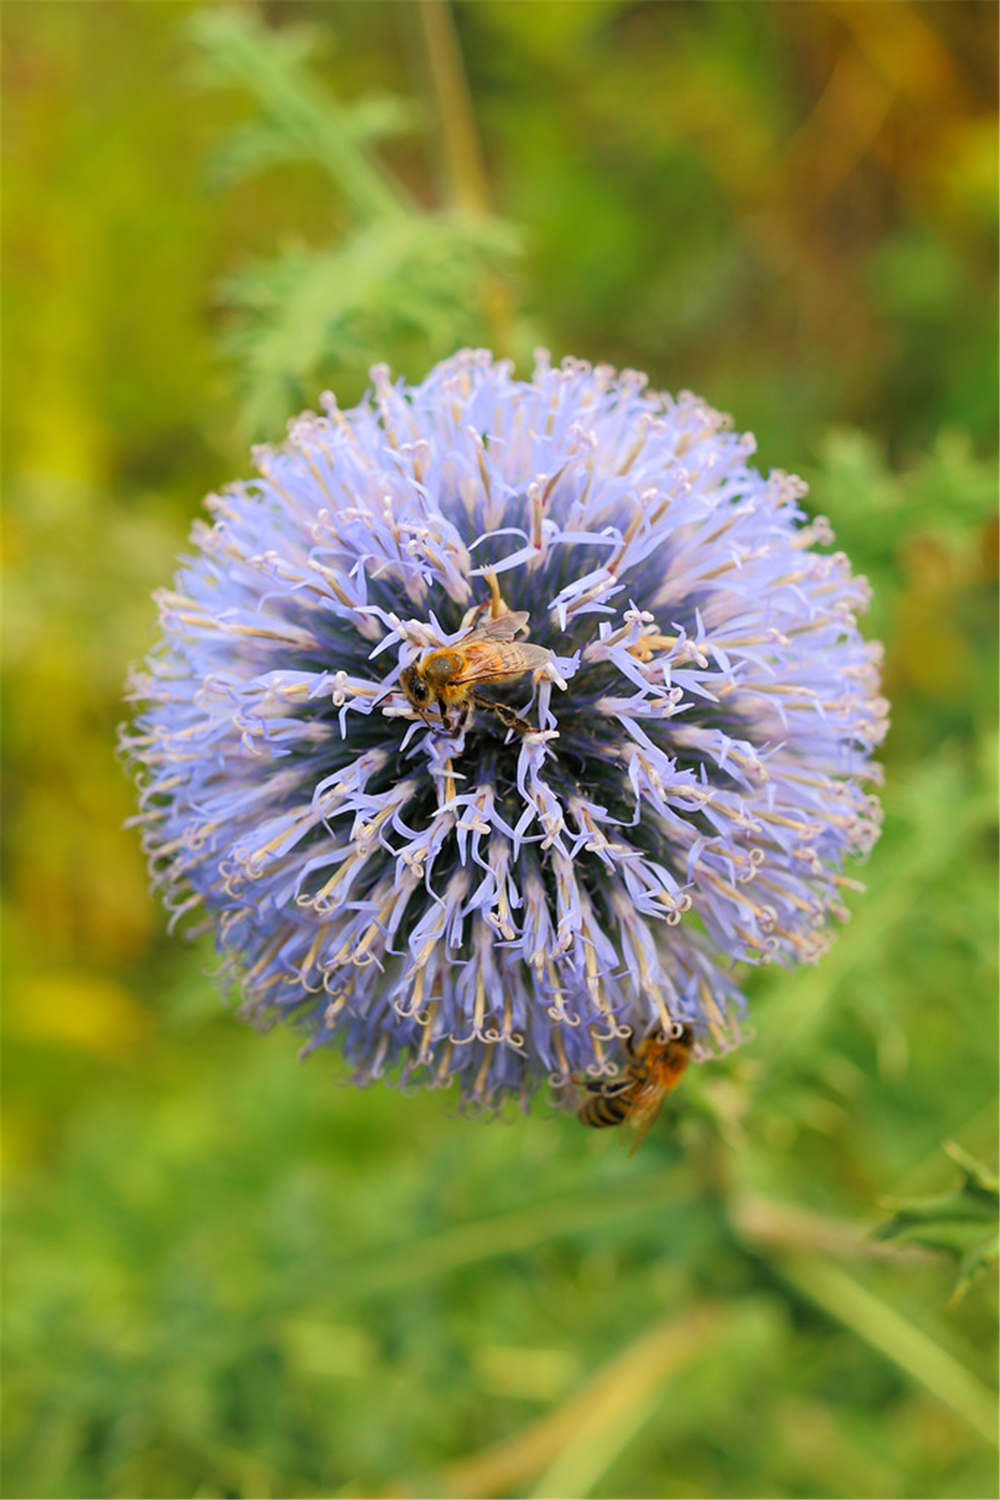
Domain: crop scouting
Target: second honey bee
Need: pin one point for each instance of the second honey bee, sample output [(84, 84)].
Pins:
[(655, 1065), (449, 677)]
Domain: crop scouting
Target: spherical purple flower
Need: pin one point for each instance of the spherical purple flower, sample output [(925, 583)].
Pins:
[(479, 903)]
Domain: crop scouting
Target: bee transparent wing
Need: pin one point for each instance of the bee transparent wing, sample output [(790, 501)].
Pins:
[(489, 662), (643, 1117), (503, 629)]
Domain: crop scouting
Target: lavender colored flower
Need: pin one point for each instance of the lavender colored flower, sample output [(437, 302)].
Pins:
[(483, 905)]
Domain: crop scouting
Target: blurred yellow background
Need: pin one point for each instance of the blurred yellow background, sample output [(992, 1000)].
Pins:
[(227, 1276)]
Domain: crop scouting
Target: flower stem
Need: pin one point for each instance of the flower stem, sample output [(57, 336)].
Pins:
[(468, 185)]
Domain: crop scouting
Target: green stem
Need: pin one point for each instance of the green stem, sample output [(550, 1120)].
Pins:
[(468, 184), (908, 1347)]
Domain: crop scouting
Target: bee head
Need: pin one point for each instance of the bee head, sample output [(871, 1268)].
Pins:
[(414, 687)]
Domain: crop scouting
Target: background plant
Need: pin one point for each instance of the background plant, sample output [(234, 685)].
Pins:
[(227, 1277)]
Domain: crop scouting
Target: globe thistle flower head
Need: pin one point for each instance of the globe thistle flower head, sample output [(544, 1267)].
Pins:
[(468, 901)]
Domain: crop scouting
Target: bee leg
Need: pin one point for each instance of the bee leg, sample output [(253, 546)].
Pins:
[(463, 715), (445, 716), (506, 715), (472, 617), (511, 720)]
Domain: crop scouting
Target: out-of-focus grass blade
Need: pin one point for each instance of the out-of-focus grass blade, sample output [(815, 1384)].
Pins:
[(884, 1329), (505, 1234), (596, 1422)]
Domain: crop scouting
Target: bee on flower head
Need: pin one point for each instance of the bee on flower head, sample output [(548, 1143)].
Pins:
[(448, 678), (721, 721), (655, 1066)]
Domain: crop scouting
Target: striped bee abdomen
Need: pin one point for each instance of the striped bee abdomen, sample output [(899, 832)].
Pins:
[(606, 1103)]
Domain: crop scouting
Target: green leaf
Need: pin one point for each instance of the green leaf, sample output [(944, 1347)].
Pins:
[(300, 120), (961, 1223), (417, 282), (307, 314)]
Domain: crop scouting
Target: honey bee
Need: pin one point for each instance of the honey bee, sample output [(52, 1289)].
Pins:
[(448, 678), (654, 1068)]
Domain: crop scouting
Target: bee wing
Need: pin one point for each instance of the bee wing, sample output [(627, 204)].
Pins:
[(493, 662), (643, 1117), (503, 629)]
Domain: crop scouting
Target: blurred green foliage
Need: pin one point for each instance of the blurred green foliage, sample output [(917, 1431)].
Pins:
[(962, 1222), (395, 277), (227, 1277)]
